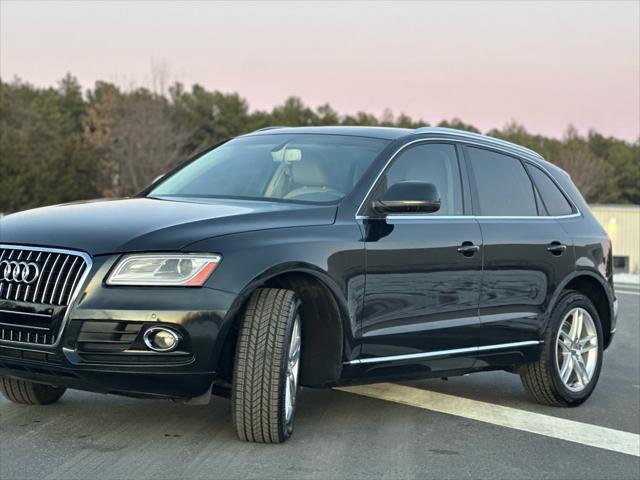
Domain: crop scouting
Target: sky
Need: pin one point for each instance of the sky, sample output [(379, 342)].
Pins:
[(543, 64)]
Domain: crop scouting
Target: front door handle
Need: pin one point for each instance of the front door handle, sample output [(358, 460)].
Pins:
[(468, 249), (556, 248)]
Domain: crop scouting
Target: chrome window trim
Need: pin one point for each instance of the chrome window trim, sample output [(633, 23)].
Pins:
[(439, 353), (465, 141), (72, 299), (408, 218)]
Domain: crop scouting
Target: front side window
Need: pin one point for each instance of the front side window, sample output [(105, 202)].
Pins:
[(276, 167), (554, 201), (502, 185), (433, 163)]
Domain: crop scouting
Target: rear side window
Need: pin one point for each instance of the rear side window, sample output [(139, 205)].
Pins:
[(554, 201), (503, 186)]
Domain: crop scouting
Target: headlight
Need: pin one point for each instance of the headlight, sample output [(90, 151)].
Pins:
[(172, 270)]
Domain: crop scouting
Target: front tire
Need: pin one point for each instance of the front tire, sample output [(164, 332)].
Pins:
[(29, 393), (267, 367), (571, 359)]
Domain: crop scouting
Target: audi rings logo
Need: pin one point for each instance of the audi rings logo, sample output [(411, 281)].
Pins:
[(20, 272)]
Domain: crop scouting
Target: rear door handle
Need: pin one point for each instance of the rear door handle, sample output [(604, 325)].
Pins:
[(468, 249), (556, 248)]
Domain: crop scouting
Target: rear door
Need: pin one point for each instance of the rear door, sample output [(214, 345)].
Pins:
[(527, 253)]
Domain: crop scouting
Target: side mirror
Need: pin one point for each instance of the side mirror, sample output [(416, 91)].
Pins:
[(409, 197)]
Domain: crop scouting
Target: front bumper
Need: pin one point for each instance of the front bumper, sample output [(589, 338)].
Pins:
[(100, 348), (116, 380)]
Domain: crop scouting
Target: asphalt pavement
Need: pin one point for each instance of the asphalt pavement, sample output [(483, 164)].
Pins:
[(340, 434)]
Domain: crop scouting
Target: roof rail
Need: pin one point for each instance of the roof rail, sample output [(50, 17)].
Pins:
[(267, 128), (477, 136)]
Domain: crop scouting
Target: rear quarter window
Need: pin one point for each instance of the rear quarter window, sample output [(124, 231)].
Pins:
[(553, 200)]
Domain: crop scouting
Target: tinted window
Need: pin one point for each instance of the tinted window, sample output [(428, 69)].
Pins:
[(503, 186), (297, 168), (552, 198), (433, 163)]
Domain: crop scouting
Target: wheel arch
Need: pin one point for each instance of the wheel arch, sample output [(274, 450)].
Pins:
[(325, 317), (596, 289)]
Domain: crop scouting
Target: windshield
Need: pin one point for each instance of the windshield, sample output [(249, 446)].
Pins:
[(298, 168)]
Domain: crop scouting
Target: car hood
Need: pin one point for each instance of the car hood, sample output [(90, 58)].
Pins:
[(149, 224)]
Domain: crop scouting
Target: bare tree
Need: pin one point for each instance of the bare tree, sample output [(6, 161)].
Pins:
[(588, 171), (135, 139), (160, 77)]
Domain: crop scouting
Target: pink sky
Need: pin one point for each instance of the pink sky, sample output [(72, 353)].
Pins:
[(544, 64)]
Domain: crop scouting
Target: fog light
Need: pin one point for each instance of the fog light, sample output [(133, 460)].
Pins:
[(161, 339)]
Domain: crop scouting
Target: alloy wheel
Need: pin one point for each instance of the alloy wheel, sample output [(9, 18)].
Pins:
[(577, 349), (293, 368)]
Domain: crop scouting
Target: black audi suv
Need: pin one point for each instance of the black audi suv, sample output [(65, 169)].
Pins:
[(315, 257)]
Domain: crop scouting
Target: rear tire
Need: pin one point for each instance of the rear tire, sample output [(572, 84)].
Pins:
[(571, 359), (267, 366), (29, 393)]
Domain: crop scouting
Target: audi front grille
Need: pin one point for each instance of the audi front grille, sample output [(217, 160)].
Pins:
[(36, 287)]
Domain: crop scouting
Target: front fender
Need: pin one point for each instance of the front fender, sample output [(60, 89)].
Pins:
[(333, 254)]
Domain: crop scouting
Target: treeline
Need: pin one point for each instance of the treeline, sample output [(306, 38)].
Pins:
[(62, 144)]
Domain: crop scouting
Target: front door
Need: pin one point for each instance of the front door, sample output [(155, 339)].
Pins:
[(423, 271)]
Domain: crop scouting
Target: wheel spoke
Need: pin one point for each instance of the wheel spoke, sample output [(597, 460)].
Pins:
[(588, 343), (294, 366), (289, 401), (294, 347), (565, 338), (294, 376), (576, 324), (567, 368), (581, 370), (565, 348), (292, 389), (295, 352)]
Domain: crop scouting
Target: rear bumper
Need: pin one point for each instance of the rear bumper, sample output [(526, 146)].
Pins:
[(614, 322)]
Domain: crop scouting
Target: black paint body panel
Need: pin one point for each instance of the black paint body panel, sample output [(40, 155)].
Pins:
[(421, 294), (520, 276)]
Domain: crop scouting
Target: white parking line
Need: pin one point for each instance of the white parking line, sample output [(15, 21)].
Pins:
[(569, 430), (628, 292)]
